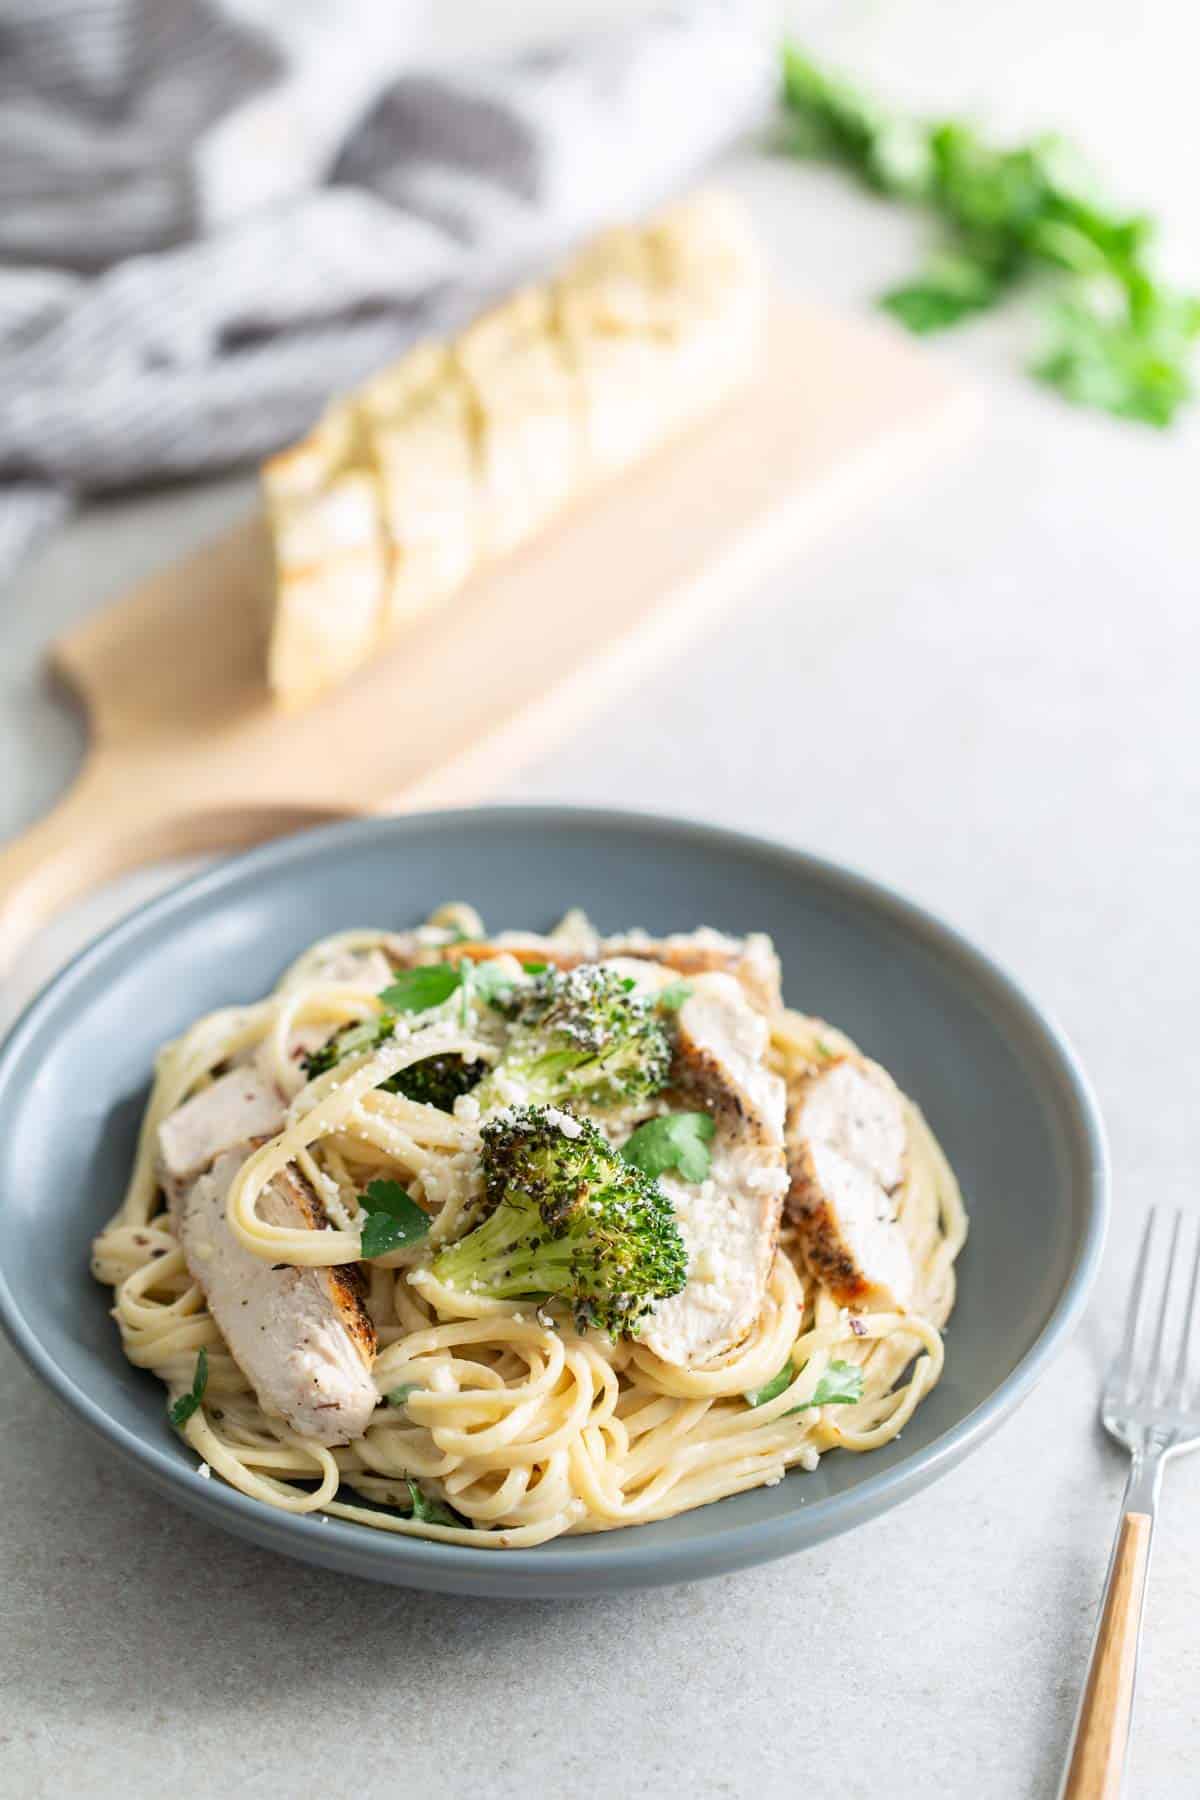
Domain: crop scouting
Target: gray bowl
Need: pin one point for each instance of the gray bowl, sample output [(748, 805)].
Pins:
[(999, 1084)]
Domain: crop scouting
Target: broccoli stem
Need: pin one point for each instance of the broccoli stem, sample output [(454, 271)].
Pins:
[(510, 1264)]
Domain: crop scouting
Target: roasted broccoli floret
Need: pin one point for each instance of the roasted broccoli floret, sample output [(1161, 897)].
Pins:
[(582, 1036), (567, 1219), (434, 1081), (351, 1040)]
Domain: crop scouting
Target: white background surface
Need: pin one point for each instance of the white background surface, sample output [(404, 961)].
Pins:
[(985, 692)]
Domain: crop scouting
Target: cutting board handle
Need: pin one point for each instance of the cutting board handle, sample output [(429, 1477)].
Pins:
[(106, 825), (188, 754)]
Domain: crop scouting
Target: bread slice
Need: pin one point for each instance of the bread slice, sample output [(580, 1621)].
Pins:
[(464, 450), (708, 293), (515, 367), (326, 526), (418, 419), (661, 324), (605, 315)]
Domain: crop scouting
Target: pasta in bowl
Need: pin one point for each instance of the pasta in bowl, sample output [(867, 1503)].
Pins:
[(494, 1239)]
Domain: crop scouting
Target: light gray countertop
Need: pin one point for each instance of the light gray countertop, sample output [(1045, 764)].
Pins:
[(993, 676)]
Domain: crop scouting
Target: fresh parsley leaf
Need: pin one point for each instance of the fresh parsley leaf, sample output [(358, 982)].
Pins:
[(1137, 369), (840, 1385), (676, 1141), (670, 999), (830, 117), (429, 1511), (188, 1403), (1123, 340), (952, 288), (772, 1389), (398, 1396), (536, 968), (393, 1219), (416, 990)]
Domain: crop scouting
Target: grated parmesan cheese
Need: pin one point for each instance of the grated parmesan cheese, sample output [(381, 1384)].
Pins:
[(570, 1127)]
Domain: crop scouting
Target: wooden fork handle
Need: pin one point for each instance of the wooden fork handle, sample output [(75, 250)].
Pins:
[(1097, 1759)]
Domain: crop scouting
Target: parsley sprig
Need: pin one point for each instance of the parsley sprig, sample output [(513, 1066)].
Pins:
[(431, 984), (424, 1507), (430, 1511), (393, 1221), (416, 990), (1118, 337), (675, 1141), (189, 1403), (841, 1384)]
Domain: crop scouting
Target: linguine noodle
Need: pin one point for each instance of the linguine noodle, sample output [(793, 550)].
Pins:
[(525, 1427)]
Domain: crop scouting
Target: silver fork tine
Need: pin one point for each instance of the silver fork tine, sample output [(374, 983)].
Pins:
[(1156, 1369), (1122, 1375), (1179, 1393)]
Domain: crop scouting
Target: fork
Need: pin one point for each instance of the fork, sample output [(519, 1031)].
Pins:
[(1152, 1408)]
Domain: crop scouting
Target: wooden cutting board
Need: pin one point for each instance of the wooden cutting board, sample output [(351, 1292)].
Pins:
[(187, 752)]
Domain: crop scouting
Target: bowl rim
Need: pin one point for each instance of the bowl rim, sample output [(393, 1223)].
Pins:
[(625, 1560)]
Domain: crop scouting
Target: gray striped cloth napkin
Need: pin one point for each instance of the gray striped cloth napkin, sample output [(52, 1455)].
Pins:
[(216, 213)]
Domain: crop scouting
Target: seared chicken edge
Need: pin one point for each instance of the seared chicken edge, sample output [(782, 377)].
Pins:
[(302, 1337), (847, 1148), (730, 1221)]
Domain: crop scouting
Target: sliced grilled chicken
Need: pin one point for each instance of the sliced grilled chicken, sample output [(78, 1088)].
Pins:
[(752, 960), (847, 1147), (730, 1221), (302, 1337), (849, 1234), (236, 1107), (855, 1107)]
